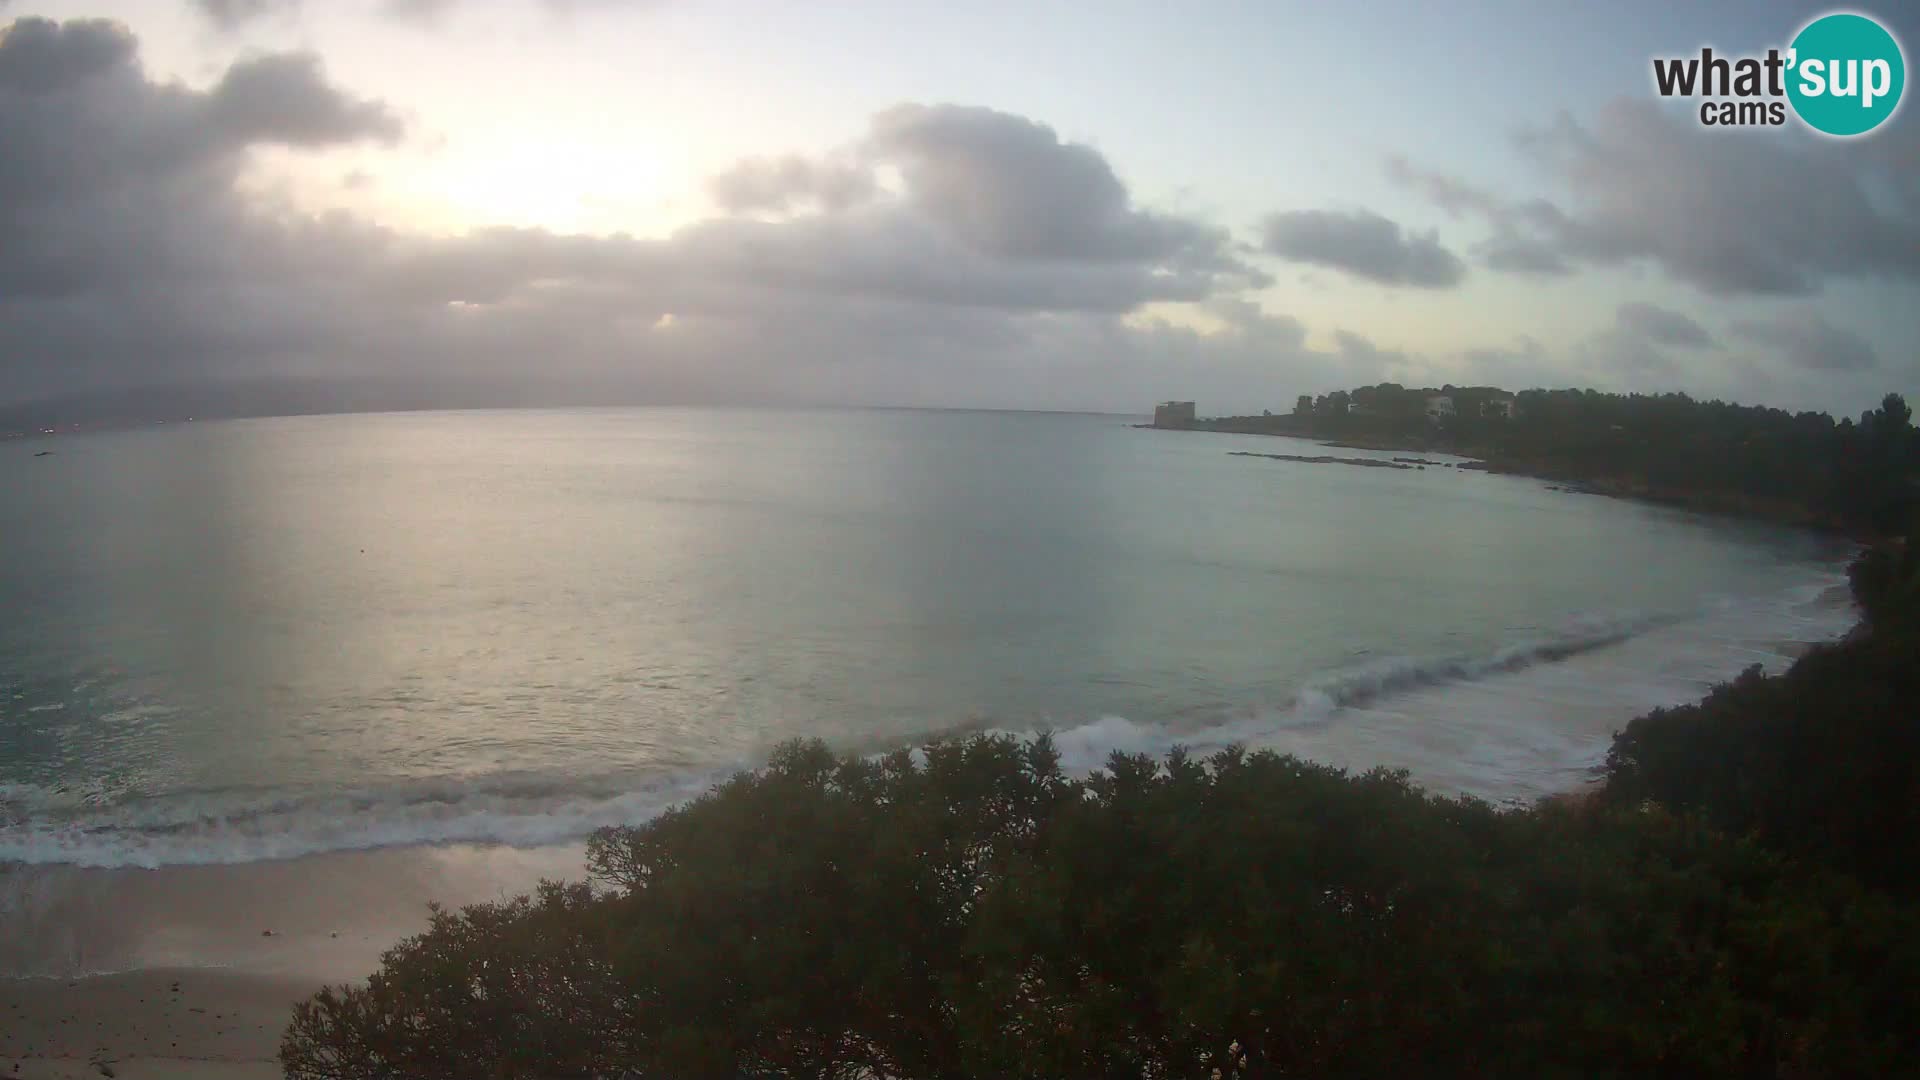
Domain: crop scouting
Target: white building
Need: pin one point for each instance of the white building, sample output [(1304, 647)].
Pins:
[(1439, 405), (1499, 406)]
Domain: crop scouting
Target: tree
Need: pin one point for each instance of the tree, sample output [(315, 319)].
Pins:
[(1895, 416), (1800, 468), (1303, 405)]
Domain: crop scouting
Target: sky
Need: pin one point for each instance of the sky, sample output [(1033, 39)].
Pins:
[(1055, 206)]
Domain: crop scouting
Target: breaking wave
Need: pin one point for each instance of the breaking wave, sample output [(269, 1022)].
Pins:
[(94, 825)]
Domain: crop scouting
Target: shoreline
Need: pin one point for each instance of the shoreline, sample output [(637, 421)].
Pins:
[(1730, 507), (193, 971)]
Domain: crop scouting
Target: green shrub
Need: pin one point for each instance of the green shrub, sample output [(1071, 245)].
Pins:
[(1822, 762), (979, 913)]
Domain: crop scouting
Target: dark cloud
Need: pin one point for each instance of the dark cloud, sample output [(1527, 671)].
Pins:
[(123, 243), (791, 182), (1752, 213), (39, 56), (1364, 244), (1809, 342), (285, 98), (1662, 326)]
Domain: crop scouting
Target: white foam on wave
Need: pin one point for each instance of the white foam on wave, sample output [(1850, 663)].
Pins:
[(1500, 724), (220, 828)]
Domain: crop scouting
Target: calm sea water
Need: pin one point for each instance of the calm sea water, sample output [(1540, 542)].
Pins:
[(233, 641)]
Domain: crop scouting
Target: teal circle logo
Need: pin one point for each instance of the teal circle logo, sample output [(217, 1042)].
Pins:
[(1845, 74)]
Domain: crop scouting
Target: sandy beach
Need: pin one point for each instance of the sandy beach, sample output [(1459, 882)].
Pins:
[(150, 1024), (192, 971)]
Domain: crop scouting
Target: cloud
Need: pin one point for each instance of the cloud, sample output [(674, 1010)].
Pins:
[(126, 244), (791, 182), (233, 14), (138, 254), (1524, 363), (994, 207), (1634, 352), (1768, 214), (1364, 244), (417, 10), (81, 122), (1009, 187), (285, 98), (1809, 342), (732, 264), (1513, 253), (948, 255), (39, 56), (1662, 326)]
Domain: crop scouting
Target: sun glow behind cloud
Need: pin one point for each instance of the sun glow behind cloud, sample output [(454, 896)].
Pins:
[(904, 191), (561, 184)]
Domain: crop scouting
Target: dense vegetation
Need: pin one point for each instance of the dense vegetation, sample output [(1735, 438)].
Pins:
[(1741, 899), (1804, 468), (1822, 762)]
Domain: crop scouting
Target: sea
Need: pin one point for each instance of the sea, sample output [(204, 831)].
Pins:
[(253, 640)]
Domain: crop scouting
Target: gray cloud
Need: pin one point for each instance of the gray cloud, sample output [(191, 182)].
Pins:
[(1364, 244), (39, 56), (232, 14), (1525, 363), (1761, 215), (1009, 187), (791, 182), (1662, 326), (285, 98), (134, 256), (1513, 253), (1009, 267), (985, 189), (1634, 353), (731, 264), (126, 243), (1809, 342), (417, 10), (1610, 356)]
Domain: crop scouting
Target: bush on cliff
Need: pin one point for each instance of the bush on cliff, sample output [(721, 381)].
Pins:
[(976, 912)]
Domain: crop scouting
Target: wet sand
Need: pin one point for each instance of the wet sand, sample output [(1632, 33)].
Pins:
[(148, 1024), (192, 971)]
